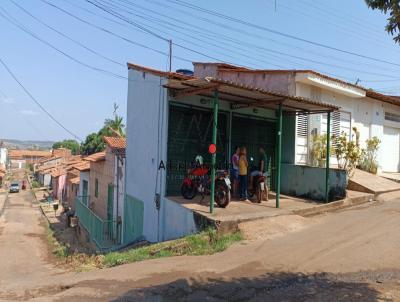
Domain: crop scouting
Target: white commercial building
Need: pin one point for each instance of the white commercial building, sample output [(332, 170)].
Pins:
[(372, 113)]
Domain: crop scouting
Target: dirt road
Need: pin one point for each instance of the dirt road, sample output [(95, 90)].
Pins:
[(352, 255), (23, 250)]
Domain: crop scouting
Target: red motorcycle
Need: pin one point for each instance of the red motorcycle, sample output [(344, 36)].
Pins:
[(259, 187), (198, 181)]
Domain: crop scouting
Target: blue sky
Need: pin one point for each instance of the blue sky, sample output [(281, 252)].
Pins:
[(81, 98)]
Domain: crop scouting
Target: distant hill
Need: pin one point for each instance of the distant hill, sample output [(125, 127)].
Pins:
[(20, 144)]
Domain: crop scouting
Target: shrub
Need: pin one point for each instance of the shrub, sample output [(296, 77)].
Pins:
[(368, 160)]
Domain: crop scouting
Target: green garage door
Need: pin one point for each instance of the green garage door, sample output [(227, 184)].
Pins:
[(253, 133), (189, 135)]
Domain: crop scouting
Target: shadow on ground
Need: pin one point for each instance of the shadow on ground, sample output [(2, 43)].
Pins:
[(269, 287)]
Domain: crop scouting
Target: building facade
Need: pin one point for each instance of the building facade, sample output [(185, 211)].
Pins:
[(371, 113), (170, 121)]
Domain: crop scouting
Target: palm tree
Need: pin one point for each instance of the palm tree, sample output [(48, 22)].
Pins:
[(114, 126)]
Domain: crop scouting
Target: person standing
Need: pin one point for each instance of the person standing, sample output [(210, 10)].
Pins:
[(235, 171), (243, 165)]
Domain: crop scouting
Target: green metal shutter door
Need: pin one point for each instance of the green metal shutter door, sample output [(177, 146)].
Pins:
[(189, 135), (253, 133)]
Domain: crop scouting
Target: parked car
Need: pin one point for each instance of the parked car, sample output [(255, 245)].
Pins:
[(14, 187)]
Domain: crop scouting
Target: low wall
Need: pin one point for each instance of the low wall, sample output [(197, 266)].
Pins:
[(309, 182), (179, 221)]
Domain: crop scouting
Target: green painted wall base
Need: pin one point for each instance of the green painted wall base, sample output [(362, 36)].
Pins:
[(133, 219), (309, 182)]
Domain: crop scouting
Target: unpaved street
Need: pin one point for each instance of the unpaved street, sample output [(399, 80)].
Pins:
[(352, 255), (23, 251)]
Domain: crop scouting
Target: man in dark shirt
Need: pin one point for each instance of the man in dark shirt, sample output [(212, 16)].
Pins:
[(262, 166)]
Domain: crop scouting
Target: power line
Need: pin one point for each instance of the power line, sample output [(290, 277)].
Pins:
[(112, 33), (10, 19), (134, 23), (25, 119), (338, 25), (251, 46), (37, 102), (263, 28), (152, 33), (67, 37), (174, 29), (162, 21)]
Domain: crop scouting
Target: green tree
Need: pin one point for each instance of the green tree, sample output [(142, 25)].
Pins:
[(112, 127), (391, 7), (70, 144), (93, 143)]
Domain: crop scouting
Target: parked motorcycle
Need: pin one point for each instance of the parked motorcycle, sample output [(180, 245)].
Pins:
[(259, 187), (198, 180)]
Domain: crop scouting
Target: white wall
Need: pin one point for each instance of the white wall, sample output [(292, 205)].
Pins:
[(146, 145), (46, 180), (177, 221), (367, 115), (3, 156), (119, 186)]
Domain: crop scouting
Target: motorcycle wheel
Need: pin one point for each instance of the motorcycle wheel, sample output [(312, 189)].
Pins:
[(188, 191), (222, 195), (259, 194)]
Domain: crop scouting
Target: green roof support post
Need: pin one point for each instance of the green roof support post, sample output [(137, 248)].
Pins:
[(214, 156), (328, 155), (278, 157)]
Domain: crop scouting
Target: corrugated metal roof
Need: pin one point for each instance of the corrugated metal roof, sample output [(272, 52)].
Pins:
[(294, 71), (247, 95)]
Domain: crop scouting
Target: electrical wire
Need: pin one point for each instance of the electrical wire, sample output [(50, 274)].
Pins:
[(25, 119), (37, 102), (152, 33), (173, 28), (252, 46), (112, 33), (135, 23), (67, 37), (266, 29), (12, 20)]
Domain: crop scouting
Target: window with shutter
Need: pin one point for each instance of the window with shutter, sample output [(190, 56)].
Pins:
[(302, 139), (340, 123)]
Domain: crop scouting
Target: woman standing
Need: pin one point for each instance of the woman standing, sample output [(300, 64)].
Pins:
[(243, 165), (235, 171)]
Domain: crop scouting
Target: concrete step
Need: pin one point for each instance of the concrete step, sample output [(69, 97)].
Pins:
[(353, 198)]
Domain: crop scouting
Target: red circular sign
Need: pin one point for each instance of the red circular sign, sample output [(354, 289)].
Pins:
[(212, 148)]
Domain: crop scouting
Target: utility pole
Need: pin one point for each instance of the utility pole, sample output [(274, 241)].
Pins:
[(170, 55)]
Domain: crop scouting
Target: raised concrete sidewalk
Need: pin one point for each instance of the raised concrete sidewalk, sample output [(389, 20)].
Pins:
[(236, 212), (369, 183)]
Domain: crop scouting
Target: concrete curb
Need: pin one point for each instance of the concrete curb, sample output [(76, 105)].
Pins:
[(229, 226), (335, 205)]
